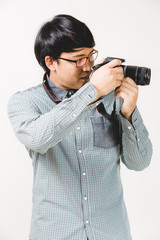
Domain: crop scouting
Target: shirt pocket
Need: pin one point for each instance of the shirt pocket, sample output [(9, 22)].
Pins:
[(106, 132)]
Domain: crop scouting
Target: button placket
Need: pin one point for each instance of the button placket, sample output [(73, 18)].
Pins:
[(83, 174)]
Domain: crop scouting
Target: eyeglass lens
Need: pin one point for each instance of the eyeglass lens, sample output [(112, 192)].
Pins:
[(83, 61)]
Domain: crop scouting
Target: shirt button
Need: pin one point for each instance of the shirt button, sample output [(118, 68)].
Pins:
[(138, 139), (78, 128), (84, 173), (80, 151), (85, 198), (74, 114), (129, 127), (87, 222)]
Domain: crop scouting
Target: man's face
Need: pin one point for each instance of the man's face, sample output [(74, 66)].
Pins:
[(66, 75)]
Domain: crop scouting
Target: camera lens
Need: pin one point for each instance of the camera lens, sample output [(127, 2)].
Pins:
[(141, 75)]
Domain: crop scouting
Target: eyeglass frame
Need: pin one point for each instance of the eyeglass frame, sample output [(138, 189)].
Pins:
[(75, 61)]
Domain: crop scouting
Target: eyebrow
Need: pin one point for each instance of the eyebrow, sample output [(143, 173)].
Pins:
[(82, 55)]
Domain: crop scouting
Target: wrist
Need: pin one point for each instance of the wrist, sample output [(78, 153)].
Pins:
[(97, 97), (98, 92), (127, 117)]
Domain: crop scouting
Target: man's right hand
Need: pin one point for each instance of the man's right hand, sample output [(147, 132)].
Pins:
[(107, 78)]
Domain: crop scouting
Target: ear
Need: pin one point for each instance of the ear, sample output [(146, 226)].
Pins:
[(50, 63)]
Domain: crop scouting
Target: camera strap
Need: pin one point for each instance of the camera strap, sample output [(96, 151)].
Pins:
[(101, 109)]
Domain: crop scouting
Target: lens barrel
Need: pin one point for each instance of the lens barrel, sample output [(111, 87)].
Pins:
[(141, 75)]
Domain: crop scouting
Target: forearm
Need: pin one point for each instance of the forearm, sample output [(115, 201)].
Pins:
[(136, 145), (38, 131)]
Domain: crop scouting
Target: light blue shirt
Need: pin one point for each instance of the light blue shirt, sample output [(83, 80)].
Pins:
[(77, 190)]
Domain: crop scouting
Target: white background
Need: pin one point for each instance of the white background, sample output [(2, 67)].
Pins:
[(126, 29)]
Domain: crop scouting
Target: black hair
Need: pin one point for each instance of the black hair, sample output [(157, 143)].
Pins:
[(63, 33)]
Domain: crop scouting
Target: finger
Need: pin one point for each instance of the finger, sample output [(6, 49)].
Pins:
[(122, 94), (130, 81), (118, 83), (119, 76), (114, 63), (129, 86), (118, 70), (124, 90)]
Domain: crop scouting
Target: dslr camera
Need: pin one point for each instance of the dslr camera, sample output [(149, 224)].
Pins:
[(140, 75)]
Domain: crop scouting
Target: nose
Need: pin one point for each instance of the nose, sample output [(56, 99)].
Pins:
[(87, 66)]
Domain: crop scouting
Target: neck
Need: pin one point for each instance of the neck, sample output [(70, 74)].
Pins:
[(57, 82)]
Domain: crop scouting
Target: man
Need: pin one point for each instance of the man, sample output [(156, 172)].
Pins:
[(76, 148)]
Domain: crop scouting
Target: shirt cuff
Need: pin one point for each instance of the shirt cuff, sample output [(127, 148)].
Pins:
[(136, 131), (136, 121), (87, 94)]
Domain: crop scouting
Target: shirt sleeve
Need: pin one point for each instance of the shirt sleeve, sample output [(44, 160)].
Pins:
[(136, 145), (39, 132)]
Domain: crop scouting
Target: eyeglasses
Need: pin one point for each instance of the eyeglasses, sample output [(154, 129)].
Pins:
[(82, 61)]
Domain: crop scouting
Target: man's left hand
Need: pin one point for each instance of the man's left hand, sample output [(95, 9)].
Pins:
[(128, 91)]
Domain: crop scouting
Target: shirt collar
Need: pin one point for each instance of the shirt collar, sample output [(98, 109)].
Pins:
[(59, 93)]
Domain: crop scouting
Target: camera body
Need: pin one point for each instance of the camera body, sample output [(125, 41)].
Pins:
[(140, 75)]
